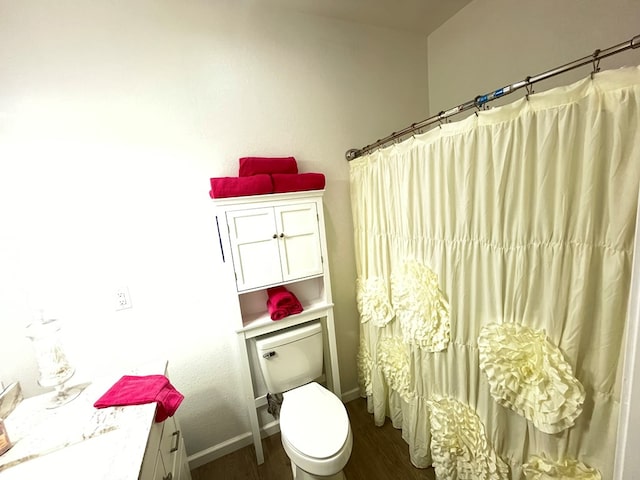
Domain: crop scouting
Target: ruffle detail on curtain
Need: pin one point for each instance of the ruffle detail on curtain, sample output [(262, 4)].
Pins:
[(393, 359), (373, 301), (459, 446), (365, 363), (421, 307), (529, 375), (540, 468)]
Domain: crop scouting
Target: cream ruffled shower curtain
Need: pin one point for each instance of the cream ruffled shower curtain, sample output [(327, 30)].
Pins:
[(494, 262)]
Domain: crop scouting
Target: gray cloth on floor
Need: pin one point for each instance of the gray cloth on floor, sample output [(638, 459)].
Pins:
[(274, 401)]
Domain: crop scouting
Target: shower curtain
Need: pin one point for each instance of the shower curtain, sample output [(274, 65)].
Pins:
[(494, 262)]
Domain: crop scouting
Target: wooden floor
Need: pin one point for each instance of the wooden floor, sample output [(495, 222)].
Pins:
[(378, 453)]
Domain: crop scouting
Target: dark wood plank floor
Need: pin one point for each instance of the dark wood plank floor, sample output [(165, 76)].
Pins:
[(378, 453)]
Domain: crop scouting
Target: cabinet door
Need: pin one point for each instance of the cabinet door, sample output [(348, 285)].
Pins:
[(152, 466), (181, 469), (160, 472), (299, 237), (169, 433), (254, 247)]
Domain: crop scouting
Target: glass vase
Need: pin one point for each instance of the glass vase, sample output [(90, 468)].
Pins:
[(53, 365)]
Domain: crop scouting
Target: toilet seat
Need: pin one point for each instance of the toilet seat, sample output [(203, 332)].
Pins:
[(311, 468), (314, 421)]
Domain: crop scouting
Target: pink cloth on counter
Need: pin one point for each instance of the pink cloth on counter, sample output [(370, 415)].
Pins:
[(224, 187), (138, 390), (284, 182), (259, 165), (282, 303)]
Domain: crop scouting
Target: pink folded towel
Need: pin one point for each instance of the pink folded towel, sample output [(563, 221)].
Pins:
[(223, 187), (284, 182), (138, 390), (282, 303), (257, 165)]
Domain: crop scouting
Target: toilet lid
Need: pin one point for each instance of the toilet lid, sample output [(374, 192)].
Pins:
[(314, 421)]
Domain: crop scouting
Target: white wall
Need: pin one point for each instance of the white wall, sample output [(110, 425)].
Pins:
[(113, 116), (492, 43)]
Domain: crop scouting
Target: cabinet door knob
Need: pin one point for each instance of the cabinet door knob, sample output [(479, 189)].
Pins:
[(168, 477), (282, 235), (275, 235)]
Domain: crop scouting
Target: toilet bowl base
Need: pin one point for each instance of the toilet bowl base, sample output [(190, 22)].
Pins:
[(299, 474)]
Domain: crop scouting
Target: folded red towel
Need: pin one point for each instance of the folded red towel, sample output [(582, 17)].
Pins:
[(282, 303), (137, 390), (223, 187), (257, 165), (278, 313), (281, 297), (284, 182)]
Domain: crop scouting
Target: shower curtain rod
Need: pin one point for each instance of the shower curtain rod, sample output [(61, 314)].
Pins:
[(481, 100)]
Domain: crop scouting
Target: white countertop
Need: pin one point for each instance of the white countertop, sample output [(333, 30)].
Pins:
[(77, 441)]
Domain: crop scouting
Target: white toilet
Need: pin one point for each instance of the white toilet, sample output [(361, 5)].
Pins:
[(314, 425)]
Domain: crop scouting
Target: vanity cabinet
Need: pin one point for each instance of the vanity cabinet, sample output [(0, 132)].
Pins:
[(266, 241), (165, 455), (77, 441)]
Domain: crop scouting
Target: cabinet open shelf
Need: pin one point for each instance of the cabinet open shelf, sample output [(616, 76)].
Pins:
[(259, 324), (310, 292)]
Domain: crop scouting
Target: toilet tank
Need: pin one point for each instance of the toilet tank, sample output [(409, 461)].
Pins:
[(291, 358)]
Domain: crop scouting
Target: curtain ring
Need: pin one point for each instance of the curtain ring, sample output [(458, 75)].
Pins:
[(595, 62), (476, 103), (479, 104), (529, 87)]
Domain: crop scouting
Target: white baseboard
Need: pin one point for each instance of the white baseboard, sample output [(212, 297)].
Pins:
[(228, 446), (351, 395), (236, 443)]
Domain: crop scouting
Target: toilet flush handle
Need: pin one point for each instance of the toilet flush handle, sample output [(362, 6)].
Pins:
[(268, 355)]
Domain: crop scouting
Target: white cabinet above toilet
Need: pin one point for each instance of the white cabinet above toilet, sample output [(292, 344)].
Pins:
[(272, 240), (271, 245)]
